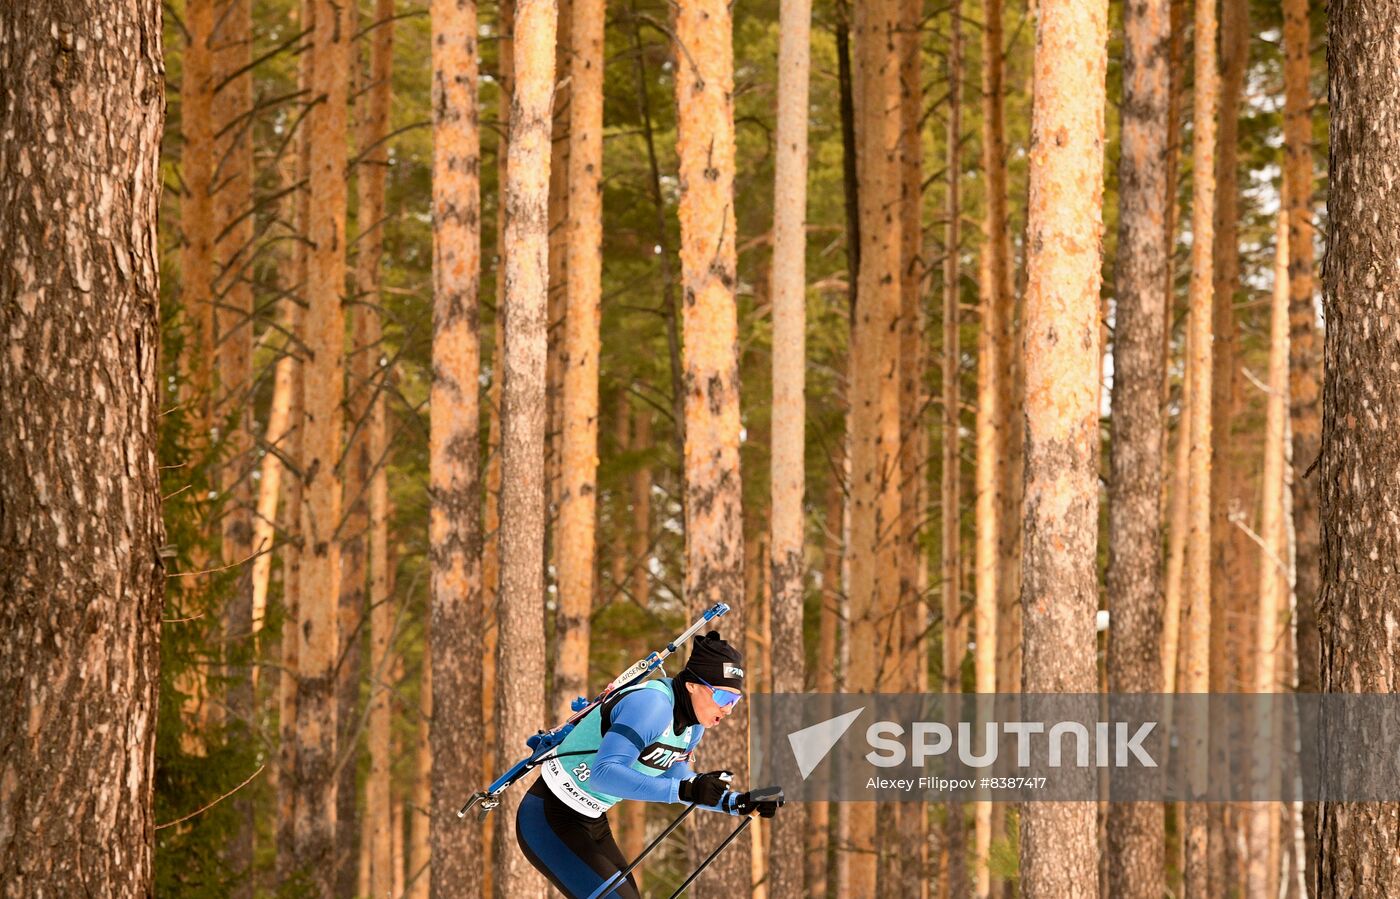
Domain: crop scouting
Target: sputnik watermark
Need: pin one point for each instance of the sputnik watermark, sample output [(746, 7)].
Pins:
[(1115, 747)]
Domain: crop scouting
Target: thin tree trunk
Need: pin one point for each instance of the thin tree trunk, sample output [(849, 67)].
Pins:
[(558, 261), (370, 454), (520, 701), (270, 469), (991, 415), (584, 281), (81, 577), (1228, 579), (789, 410), (823, 675), (1303, 368), (913, 442), (1197, 589), (1135, 829), (294, 282), (1059, 850), (714, 544), (1273, 573), (1359, 477), (491, 552), (874, 390), (323, 391), (419, 847), (954, 628), (454, 529)]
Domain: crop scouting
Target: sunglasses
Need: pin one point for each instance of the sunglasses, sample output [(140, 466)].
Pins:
[(723, 698)]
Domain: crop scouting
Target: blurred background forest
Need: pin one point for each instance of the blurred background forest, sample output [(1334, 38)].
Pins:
[(230, 275)]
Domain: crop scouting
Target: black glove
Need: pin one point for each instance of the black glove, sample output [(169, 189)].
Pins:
[(766, 801), (704, 789)]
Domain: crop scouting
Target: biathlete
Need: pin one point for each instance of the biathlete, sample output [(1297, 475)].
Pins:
[(635, 745)]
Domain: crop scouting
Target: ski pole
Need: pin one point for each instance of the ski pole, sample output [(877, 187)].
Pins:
[(616, 880), (748, 819)]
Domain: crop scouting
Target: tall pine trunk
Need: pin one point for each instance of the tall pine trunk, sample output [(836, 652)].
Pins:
[(714, 536), (81, 581), (1359, 474), (454, 528), (369, 453), (578, 490), (874, 390), (1135, 829), (323, 389), (1059, 845), (789, 411), (954, 628), (520, 700), (1273, 571), (1196, 591)]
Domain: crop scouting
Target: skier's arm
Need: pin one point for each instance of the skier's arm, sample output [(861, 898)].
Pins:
[(636, 721)]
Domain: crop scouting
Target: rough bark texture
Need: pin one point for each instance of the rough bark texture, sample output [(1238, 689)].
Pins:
[(323, 389), (1360, 470), (578, 489), (714, 548), (368, 454), (1059, 846), (789, 410), (1197, 589), (1304, 417), (520, 707), (81, 581), (1135, 829), (454, 528), (874, 389)]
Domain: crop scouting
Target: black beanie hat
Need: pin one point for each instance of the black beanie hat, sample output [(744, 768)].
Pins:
[(718, 663)]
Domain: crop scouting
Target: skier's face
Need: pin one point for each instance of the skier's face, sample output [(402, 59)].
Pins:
[(707, 711)]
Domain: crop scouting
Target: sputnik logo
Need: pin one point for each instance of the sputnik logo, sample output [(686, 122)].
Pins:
[(812, 744)]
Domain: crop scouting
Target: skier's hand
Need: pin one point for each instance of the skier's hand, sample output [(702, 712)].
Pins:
[(765, 801), (704, 789)]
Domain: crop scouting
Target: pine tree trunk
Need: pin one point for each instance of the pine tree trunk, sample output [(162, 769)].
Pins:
[(558, 260), (954, 628), (823, 675), (1273, 574), (991, 416), (520, 700), (419, 847), (789, 299), (81, 580), (323, 390), (369, 452), (874, 390), (578, 489), (293, 281), (1228, 580), (1135, 829), (1303, 366), (1197, 589), (491, 550), (1059, 851), (455, 530), (713, 520), (270, 467), (912, 819), (1359, 476)]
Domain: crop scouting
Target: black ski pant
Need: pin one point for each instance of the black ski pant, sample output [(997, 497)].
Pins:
[(577, 853)]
